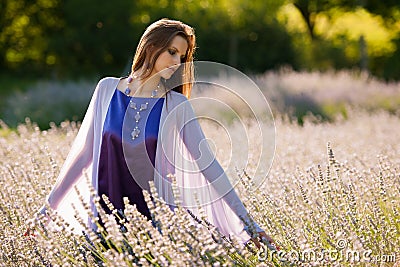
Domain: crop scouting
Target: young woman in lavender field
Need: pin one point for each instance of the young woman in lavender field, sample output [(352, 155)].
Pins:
[(131, 134)]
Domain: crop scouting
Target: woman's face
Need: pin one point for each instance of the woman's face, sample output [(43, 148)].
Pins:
[(169, 60)]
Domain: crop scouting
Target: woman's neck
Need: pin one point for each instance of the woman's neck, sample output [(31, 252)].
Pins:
[(145, 88), (149, 85)]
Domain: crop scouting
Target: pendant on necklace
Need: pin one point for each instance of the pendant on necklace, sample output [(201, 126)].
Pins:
[(137, 117), (132, 104), (135, 133), (143, 106)]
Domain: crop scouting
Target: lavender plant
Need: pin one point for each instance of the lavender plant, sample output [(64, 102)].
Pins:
[(333, 188)]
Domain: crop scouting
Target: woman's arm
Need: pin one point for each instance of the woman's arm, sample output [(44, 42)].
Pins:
[(196, 143), (79, 157)]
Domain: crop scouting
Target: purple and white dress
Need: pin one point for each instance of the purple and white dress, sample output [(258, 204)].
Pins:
[(115, 178), (171, 144)]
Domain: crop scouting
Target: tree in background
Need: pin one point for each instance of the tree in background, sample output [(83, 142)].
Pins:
[(344, 49), (309, 9), (98, 36), (79, 38), (243, 34), (25, 30)]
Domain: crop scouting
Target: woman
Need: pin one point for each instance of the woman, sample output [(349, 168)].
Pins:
[(141, 128)]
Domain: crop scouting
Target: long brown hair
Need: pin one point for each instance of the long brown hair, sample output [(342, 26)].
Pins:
[(155, 40)]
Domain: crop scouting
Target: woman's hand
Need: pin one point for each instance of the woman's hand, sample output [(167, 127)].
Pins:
[(262, 235), (30, 230)]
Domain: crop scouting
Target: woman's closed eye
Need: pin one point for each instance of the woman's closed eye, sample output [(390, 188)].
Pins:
[(173, 52)]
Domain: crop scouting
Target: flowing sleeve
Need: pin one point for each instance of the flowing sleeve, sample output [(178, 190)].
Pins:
[(222, 190), (77, 167)]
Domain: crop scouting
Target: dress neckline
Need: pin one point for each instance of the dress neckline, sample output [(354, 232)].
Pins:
[(137, 97)]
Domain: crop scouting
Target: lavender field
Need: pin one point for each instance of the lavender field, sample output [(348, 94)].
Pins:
[(331, 198)]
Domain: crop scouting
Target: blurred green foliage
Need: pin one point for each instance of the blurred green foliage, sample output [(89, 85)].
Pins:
[(79, 38), (349, 34), (65, 39)]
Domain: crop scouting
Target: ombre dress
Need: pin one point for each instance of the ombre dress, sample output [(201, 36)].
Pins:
[(126, 165), (118, 166)]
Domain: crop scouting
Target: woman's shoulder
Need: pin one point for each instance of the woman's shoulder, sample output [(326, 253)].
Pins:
[(181, 104), (106, 87), (108, 82), (178, 97)]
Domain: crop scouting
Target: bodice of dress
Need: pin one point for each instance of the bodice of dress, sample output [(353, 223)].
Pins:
[(126, 165)]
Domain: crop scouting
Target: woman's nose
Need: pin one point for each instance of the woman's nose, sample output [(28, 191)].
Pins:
[(177, 60)]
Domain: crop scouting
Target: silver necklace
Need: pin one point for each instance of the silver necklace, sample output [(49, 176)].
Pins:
[(136, 131)]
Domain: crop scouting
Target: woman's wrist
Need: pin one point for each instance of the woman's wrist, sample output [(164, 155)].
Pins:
[(250, 226), (42, 211)]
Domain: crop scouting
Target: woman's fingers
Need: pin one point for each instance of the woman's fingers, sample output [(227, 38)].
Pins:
[(270, 241), (256, 242), (29, 232)]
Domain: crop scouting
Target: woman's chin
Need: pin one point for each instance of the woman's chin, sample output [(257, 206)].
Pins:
[(167, 74)]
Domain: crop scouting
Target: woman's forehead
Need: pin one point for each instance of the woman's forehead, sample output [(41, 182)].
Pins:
[(180, 44)]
